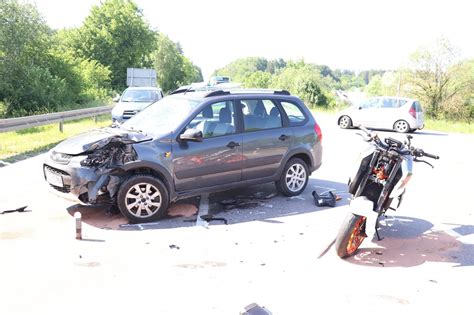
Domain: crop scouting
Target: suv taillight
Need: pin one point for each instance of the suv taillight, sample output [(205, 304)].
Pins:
[(317, 130), (412, 111)]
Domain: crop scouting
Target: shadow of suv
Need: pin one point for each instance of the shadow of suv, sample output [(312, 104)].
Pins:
[(187, 144)]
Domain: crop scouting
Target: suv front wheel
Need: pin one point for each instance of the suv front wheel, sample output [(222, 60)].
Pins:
[(294, 178), (143, 198)]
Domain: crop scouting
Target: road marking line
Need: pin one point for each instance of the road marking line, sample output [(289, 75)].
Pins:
[(203, 210)]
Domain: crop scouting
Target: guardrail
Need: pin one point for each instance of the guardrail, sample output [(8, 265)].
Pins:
[(13, 124)]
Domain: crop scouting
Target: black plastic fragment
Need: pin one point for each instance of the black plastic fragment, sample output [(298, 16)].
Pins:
[(22, 209), (324, 199)]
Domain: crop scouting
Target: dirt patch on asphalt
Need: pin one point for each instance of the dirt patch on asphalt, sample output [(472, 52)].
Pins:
[(14, 235), (182, 210)]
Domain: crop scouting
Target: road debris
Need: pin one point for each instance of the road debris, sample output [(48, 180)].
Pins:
[(209, 217), (297, 197), (172, 246), (325, 199), (22, 209), (255, 309), (246, 202)]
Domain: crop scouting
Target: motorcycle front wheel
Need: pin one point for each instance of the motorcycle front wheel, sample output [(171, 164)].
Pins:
[(351, 234)]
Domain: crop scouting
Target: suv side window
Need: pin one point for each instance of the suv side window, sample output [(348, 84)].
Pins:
[(260, 115), (215, 120), (294, 113)]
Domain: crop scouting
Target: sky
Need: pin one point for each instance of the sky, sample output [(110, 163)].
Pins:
[(349, 34)]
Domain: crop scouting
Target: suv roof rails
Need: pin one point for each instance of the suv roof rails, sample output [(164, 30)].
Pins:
[(247, 91), (217, 93)]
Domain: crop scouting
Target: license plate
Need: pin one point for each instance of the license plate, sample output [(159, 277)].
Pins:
[(54, 179)]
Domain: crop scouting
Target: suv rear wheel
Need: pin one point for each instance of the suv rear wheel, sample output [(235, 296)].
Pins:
[(294, 178), (143, 198)]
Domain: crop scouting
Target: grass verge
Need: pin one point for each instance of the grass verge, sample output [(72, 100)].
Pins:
[(449, 126), (22, 144)]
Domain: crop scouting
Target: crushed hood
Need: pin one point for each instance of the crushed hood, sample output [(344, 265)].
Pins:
[(96, 139)]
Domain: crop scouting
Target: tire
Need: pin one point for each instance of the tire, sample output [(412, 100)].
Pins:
[(401, 126), (143, 198), (294, 178), (350, 236), (345, 122)]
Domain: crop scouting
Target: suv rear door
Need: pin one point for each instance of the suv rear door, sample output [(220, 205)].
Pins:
[(265, 138)]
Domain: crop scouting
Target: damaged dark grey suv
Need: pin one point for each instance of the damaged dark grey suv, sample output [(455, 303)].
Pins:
[(187, 144)]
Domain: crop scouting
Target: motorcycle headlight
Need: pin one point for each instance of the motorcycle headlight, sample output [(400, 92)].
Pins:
[(61, 158)]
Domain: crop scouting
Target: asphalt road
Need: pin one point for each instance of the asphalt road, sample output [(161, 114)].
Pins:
[(272, 251)]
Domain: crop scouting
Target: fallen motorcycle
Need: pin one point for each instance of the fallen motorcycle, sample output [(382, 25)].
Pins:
[(383, 173)]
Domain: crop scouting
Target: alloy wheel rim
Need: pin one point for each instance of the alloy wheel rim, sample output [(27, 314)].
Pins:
[(356, 237), (401, 126), (344, 122), (295, 177), (143, 200)]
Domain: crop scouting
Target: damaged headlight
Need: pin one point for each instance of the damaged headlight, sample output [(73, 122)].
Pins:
[(111, 155), (61, 158)]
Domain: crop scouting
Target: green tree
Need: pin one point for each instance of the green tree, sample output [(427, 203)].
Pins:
[(241, 68), (258, 79), (384, 85), (192, 73), (117, 36), (168, 63), (304, 80), (30, 76), (432, 77)]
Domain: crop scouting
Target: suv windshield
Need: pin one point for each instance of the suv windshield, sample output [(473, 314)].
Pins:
[(163, 116), (140, 96)]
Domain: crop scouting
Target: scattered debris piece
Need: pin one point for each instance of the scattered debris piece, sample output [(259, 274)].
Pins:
[(270, 196), (301, 233), (22, 209), (325, 199), (297, 197), (434, 281), (172, 246), (381, 264), (262, 264), (255, 309), (378, 253), (209, 217)]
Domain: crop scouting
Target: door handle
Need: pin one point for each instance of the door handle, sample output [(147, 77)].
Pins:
[(284, 137), (233, 144)]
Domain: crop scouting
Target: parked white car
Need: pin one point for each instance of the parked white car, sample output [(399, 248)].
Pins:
[(134, 100), (387, 112)]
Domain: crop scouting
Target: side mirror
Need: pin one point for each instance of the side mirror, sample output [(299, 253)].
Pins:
[(191, 135), (116, 99)]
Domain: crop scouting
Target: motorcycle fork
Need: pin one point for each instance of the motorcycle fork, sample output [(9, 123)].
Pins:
[(372, 163), (384, 195)]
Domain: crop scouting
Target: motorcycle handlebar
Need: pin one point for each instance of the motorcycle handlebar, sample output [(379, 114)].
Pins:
[(420, 153), (432, 156)]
